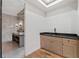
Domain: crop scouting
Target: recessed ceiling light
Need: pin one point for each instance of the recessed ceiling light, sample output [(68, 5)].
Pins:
[(48, 3)]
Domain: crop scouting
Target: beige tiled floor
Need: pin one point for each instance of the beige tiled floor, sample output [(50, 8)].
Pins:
[(11, 50)]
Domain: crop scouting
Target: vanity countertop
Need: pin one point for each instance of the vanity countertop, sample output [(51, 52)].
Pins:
[(61, 35), (19, 34)]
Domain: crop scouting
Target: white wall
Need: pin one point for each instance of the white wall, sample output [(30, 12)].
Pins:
[(78, 19), (8, 27), (64, 22), (33, 22), (63, 19)]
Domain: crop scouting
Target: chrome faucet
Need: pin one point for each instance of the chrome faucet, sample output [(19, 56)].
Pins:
[(54, 30)]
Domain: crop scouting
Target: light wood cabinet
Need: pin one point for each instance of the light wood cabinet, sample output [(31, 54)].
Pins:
[(77, 51), (52, 44), (55, 45), (68, 51), (43, 42), (70, 48), (61, 46), (70, 42), (77, 48)]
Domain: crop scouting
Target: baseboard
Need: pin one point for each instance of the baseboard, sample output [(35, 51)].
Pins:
[(26, 54)]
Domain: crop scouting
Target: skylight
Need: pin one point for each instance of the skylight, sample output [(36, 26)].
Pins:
[(48, 3)]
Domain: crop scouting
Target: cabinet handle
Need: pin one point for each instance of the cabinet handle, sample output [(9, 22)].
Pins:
[(68, 40)]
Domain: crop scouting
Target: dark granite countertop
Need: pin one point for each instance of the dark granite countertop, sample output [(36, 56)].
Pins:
[(61, 35)]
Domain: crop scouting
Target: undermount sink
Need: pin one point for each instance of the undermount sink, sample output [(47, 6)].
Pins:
[(21, 33)]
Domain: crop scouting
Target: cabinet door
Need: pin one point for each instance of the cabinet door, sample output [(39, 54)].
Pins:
[(50, 42), (58, 46), (68, 51), (55, 45), (69, 47), (43, 42), (77, 48)]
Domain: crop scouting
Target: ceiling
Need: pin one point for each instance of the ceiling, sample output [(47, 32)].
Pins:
[(63, 3), (12, 7), (48, 1)]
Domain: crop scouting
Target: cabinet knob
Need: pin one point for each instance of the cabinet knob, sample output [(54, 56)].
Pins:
[(68, 40)]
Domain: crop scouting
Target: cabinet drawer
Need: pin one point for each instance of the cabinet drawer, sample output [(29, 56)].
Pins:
[(70, 42), (73, 42), (44, 37)]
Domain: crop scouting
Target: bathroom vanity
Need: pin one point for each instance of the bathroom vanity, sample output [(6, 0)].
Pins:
[(63, 44), (18, 38)]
